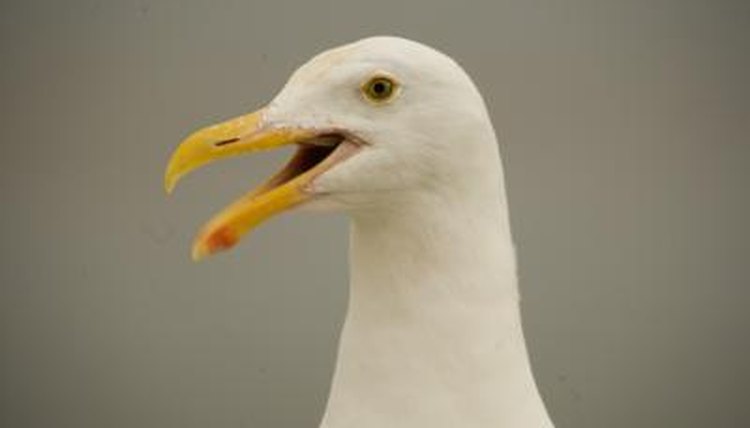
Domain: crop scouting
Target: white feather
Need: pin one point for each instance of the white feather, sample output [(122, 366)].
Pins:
[(433, 334)]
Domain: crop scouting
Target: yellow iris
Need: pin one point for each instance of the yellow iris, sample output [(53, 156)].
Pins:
[(379, 88)]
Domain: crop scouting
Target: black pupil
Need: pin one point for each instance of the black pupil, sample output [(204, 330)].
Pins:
[(379, 88)]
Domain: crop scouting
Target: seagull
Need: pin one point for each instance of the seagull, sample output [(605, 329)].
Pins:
[(396, 135)]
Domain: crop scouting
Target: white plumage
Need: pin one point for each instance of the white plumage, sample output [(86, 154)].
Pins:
[(433, 333)]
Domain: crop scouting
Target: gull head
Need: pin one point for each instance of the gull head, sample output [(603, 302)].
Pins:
[(376, 123)]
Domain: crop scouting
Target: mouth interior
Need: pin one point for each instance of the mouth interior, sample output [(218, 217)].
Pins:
[(310, 153)]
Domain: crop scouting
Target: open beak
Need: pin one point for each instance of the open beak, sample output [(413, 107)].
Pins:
[(318, 150)]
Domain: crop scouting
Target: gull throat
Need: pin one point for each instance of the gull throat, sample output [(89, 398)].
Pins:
[(433, 334)]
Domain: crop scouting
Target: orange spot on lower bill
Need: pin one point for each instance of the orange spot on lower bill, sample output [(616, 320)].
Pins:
[(221, 239)]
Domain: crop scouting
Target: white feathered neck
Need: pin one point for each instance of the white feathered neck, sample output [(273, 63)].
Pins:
[(433, 334)]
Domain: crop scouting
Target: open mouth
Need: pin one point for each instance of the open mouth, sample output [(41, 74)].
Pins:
[(317, 151), (288, 188)]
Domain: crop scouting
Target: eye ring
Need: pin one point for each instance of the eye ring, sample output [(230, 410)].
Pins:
[(380, 88)]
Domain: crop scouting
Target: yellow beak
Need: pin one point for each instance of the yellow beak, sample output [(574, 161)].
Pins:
[(284, 190)]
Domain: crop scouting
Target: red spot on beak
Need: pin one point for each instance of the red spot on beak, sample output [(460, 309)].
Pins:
[(221, 239)]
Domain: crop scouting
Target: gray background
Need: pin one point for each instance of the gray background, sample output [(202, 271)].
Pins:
[(625, 130)]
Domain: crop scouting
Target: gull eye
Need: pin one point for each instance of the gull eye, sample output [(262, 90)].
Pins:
[(379, 89)]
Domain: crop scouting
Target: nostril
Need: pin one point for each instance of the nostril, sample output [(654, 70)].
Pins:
[(225, 142)]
